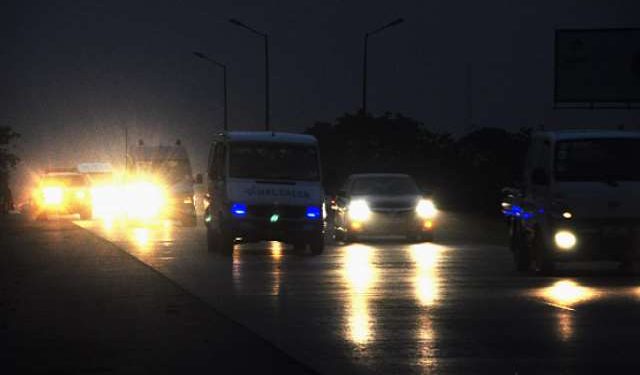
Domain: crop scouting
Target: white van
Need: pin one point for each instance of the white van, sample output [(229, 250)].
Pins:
[(580, 199), (264, 186)]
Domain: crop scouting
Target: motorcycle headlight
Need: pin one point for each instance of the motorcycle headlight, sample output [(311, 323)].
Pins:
[(359, 210), (426, 209)]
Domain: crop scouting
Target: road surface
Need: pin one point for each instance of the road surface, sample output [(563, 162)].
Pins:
[(386, 306)]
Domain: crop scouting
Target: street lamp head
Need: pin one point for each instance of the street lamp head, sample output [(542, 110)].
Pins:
[(396, 22), (200, 54), (236, 22)]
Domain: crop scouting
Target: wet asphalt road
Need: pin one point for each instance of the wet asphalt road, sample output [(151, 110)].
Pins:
[(385, 306)]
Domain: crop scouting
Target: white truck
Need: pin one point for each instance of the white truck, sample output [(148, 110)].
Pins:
[(580, 199), (170, 168), (264, 186)]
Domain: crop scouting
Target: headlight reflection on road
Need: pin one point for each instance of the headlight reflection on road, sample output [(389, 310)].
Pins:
[(360, 276), (565, 295), (276, 256), (141, 237), (426, 257)]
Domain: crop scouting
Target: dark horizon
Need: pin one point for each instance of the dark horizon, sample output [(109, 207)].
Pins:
[(78, 74)]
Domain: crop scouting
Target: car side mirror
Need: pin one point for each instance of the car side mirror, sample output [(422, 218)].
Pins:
[(199, 178), (539, 177)]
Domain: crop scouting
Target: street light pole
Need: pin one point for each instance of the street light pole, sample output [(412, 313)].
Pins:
[(224, 84), (365, 57), (266, 67)]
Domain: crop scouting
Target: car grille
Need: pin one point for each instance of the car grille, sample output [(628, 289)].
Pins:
[(285, 212), (391, 206)]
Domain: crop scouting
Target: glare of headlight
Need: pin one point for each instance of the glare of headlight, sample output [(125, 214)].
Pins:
[(567, 215), (144, 200), (565, 240), (359, 210), (52, 195), (426, 209), (80, 194)]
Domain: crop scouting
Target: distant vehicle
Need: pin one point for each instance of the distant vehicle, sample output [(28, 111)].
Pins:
[(579, 199), (383, 203), (160, 183), (264, 186), (100, 174), (63, 193)]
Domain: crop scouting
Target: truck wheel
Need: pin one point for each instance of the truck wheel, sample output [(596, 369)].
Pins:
[(212, 240), (317, 244), (225, 244), (299, 247), (544, 263), (190, 221), (521, 253), (338, 235), (86, 214)]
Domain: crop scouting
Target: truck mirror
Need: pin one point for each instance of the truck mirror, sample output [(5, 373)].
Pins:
[(540, 177), (199, 178)]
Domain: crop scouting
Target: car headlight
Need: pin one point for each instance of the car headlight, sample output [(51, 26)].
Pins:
[(426, 209), (52, 195), (565, 239), (359, 210)]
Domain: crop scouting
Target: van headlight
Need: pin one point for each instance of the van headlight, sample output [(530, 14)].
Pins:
[(565, 239), (359, 210), (425, 209)]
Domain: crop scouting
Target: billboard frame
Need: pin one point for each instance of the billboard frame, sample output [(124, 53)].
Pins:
[(628, 104)]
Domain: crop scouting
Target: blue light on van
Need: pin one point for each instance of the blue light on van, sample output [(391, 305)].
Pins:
[(239, 209), (313, 212)]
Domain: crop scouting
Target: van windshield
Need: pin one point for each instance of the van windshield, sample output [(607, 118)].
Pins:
[(612, 159), (278, 161)]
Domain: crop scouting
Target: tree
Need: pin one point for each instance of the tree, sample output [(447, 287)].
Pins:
[(8, 160)]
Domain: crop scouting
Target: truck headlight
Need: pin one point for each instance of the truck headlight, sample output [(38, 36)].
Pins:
[(426, 209), (565, 239), (52, 195), (359, 210)]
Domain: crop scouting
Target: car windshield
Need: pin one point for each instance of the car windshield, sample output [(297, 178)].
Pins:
[(274, 161), (171, 170), (384, 186), (598, 160), (71, 180)]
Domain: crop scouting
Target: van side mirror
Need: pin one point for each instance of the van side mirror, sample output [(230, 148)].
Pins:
[(199, 178), (539, 177)]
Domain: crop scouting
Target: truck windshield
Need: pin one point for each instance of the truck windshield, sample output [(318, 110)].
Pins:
[(170, 170), (384, 186), (277, 161), (613, 159)]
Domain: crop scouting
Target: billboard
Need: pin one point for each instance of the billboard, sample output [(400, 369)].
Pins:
[(597, 66)]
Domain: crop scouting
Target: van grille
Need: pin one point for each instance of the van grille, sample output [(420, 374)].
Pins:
[(284, 211)]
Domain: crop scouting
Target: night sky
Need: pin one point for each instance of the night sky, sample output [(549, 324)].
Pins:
[(75, 74)]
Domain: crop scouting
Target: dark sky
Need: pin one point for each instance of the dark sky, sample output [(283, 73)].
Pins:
[(77, 73)]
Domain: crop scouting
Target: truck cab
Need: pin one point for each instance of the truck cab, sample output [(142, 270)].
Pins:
[(579, 199), (264, 186)]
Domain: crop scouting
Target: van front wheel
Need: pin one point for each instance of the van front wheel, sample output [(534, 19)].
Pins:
[(317, 244)]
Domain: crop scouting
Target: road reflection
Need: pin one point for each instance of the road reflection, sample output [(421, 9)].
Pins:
[(276, 250), (426, 280), (566, 294), (360, 274)]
